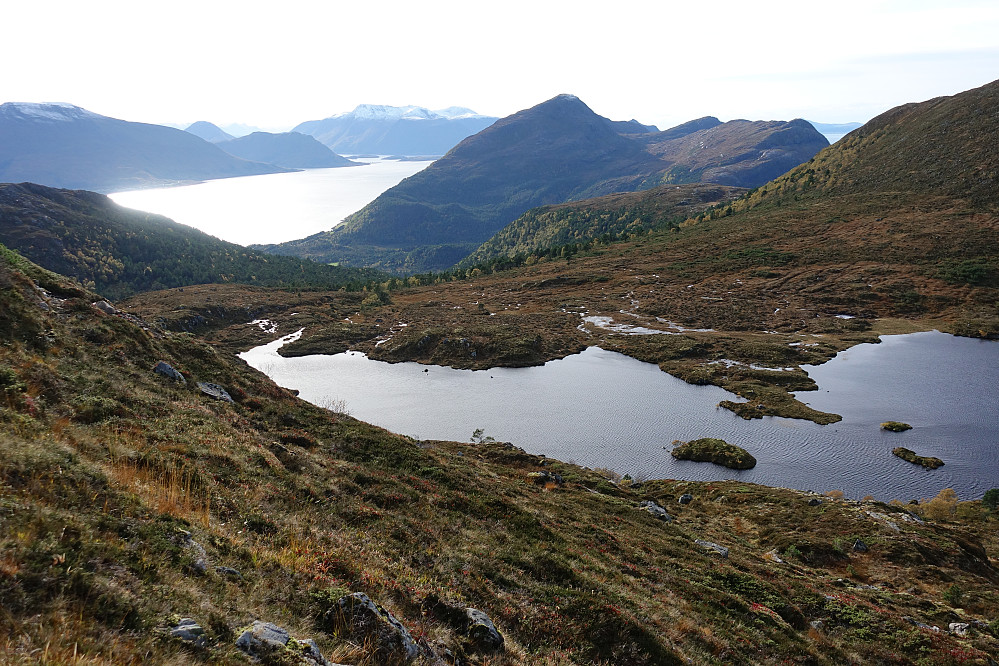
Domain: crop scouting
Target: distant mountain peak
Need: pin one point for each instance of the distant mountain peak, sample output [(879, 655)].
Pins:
[(58, 111), (386, 112), (208, 131)]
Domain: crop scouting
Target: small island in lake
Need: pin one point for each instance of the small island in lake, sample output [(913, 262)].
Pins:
[(718, 451), (927, 462), (895, 426)]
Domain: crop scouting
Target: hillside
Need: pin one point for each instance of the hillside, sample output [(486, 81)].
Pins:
[(603, 218), (118, 251), (554, 152), (60, 145), (288, 149), (146, 521), (395, 130), (208, 131)]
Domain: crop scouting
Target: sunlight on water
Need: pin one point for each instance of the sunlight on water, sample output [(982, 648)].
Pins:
[(273, 208), (599, 408)]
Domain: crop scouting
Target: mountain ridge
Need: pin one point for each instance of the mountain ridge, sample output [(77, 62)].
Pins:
[(556, 151), (67, 146)]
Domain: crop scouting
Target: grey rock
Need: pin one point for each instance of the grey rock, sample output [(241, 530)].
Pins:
[(914, 622), (859, 546), (818, 625), (214, 391), (197, 551), (366, 622), (656, 511), (959, 628), (482, 632), (685, 498), (721, 550), (168, 371), (107, 308), (189, 631), (272, 644), (815, 501), (229, 572)]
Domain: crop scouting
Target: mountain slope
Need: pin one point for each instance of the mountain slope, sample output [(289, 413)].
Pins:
[(554, 152), (394, 130), (118, 251), (288, 149), (132, 500), (60, 145), (602, 217), (210, 132)]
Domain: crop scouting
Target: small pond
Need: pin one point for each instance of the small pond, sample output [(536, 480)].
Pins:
[(603, 409)]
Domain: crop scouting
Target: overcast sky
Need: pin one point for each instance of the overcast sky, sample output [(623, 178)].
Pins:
[(275, 64)]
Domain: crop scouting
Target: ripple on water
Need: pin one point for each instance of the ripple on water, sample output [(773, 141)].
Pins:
[(603, 409)]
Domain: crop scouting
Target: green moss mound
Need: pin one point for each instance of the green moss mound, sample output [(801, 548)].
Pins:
[(895, 426), (718, 451)]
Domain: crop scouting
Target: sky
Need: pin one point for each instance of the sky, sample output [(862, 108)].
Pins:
[(274, 65)]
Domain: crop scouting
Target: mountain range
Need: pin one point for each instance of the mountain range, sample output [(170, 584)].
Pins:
[(554, 152), (210, 132), (62, 145), (395, 130)]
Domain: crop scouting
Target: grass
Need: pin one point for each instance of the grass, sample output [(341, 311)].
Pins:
[(95, 562), (895, 426), (911, 456)]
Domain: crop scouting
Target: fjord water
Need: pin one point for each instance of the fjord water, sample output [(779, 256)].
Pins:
[(603, 409), (276, 207)]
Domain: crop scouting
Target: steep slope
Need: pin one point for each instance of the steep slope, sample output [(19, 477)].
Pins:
[(118, 251), (135, 504), (288, 149), (60, 145), (210, 132), (396, 130), (554, 152)]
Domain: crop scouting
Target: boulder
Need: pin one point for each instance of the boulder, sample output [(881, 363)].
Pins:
[(815, 501), (685, 498), (959, 628), (365, 622), (214, 391), (721, 550), (656, 511), (482, 632), (229, 572), (200, 564), (189, 631), (168, 371), (859, 546), (272, 644)]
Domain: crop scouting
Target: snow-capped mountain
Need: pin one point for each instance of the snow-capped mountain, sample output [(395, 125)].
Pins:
[(56, 111), (396, 130)]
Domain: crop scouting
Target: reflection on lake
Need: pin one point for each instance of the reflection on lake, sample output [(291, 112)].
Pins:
[(276, 207), (603, 409)]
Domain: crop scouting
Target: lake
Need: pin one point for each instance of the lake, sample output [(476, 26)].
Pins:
[(603, 409), (273, 208)]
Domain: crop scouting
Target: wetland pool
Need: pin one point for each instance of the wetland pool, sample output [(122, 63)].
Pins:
[(603, 409)]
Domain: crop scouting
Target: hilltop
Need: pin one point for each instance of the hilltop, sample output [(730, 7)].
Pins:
[(152, 516), (118, 251), (61, 145), (557, 151), (208, 131), (287, 149)]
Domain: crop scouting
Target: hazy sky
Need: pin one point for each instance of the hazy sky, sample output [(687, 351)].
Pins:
[(275, 64)]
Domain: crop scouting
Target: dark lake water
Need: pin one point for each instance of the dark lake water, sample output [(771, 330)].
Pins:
[(603, 409)]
